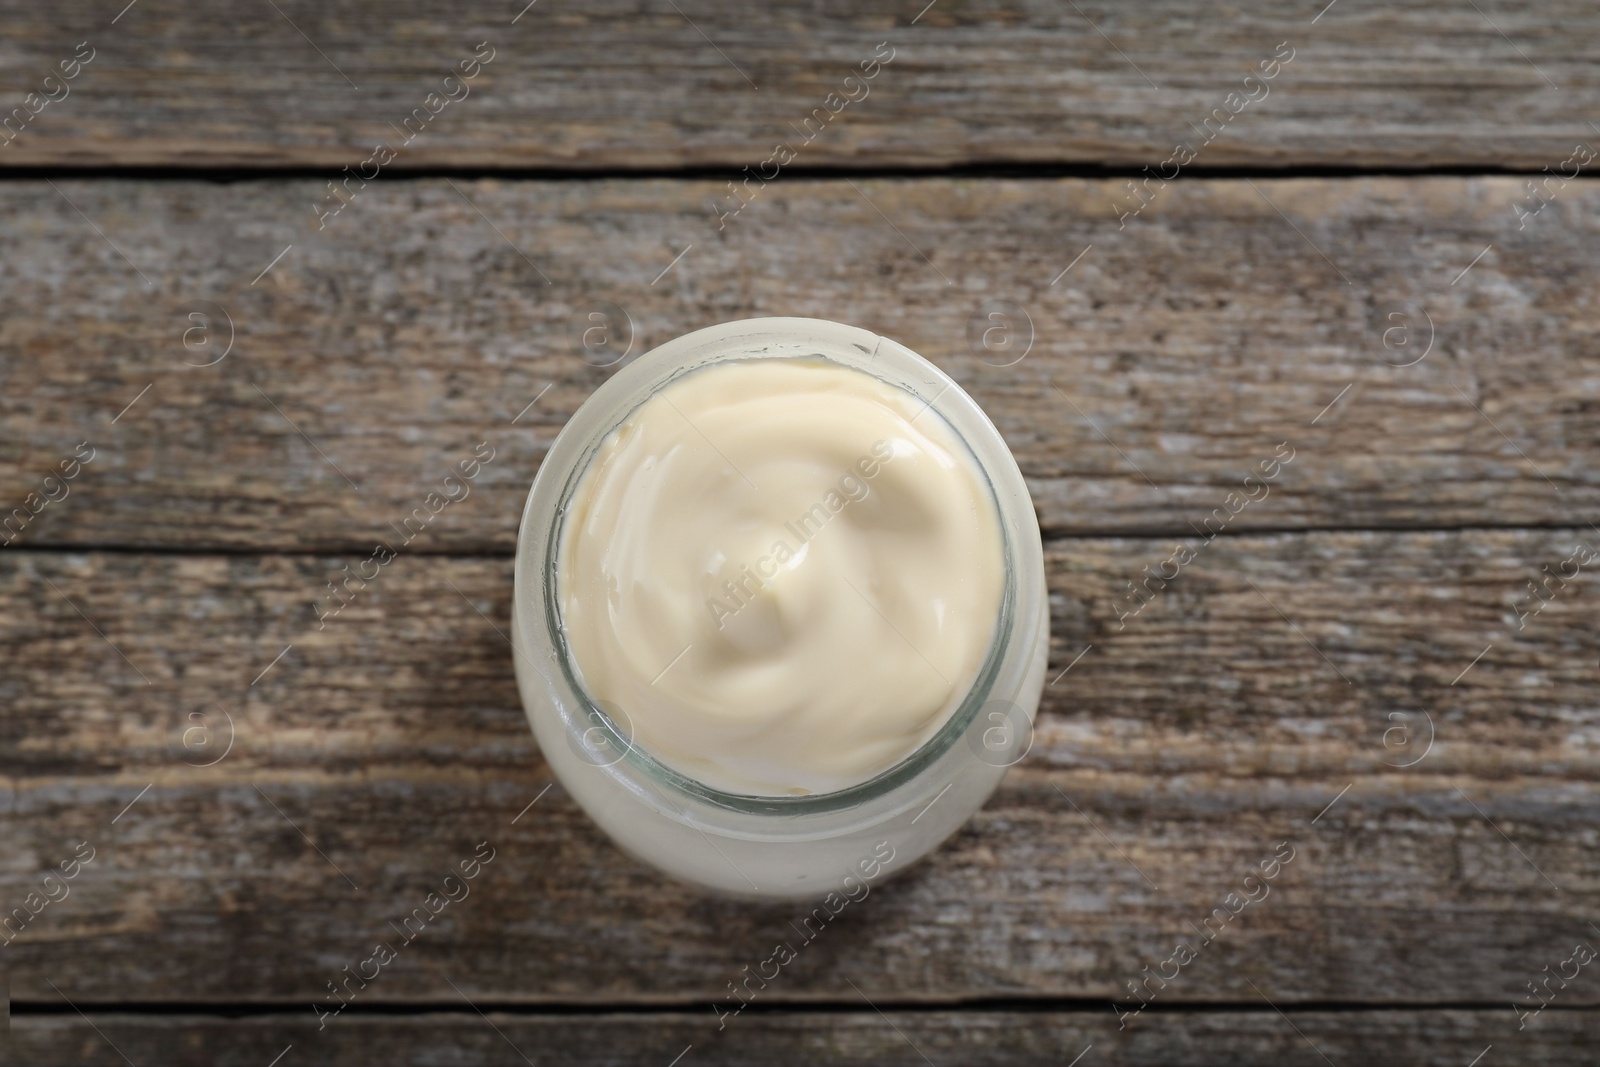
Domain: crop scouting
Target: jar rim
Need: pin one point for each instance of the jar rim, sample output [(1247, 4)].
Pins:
[(748, 340)]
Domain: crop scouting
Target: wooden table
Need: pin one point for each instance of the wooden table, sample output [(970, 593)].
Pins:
[(1354, 663)]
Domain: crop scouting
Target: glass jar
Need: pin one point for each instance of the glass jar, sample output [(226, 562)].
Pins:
[(779, 847)]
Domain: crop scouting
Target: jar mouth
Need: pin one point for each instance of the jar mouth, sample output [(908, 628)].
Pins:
[(599, 729)]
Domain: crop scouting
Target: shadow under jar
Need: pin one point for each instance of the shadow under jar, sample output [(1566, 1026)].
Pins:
[(772, 842)]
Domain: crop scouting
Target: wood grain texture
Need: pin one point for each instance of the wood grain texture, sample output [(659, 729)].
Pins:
[(1356, 669), (428, 316), (1169, 761), (620, 84), (1449, 1038)]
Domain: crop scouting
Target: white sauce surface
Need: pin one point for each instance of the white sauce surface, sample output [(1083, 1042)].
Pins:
[(785, 574)]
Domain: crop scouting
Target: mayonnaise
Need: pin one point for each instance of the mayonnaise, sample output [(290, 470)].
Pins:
[(780, 576), (788, 557)]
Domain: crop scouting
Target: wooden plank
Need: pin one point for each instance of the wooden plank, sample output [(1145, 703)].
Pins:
[(1169, 361), (1437, 1038), (1171, 760), (614, 85)]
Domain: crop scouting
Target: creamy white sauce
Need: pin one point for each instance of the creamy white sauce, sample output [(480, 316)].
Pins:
[(781, 576)]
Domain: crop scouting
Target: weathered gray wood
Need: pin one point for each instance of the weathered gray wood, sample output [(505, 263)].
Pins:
[(1194, 739), (1370, 697), (1196, 340), (1448, 1038), (614, 84)]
